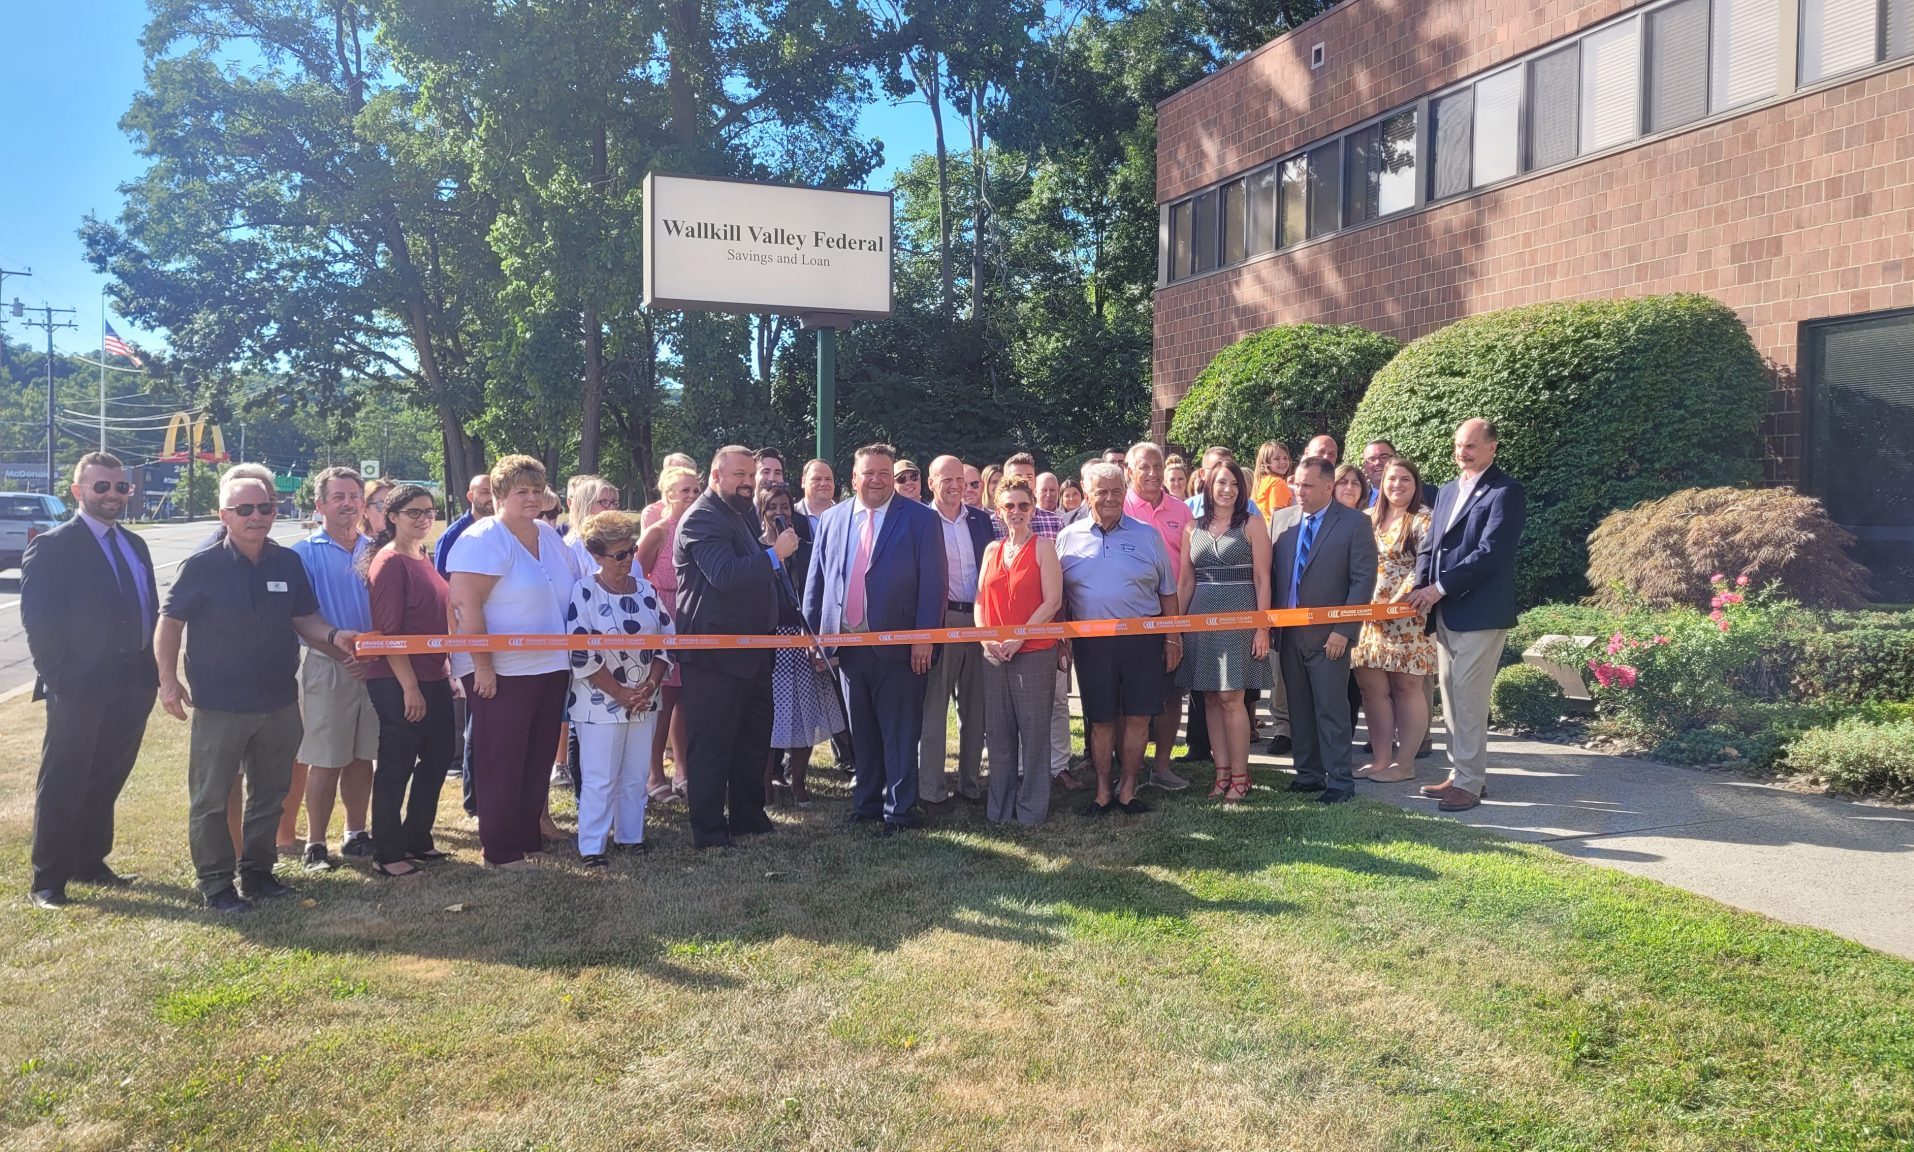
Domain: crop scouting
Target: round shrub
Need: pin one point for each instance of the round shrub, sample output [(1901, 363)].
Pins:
[(1857, 756), (1599, 404), (1665, 552), (1287, 383), (1524, 699)]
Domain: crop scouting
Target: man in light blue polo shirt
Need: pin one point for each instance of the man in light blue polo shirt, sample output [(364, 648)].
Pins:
[(342, 730), (1116, 566)]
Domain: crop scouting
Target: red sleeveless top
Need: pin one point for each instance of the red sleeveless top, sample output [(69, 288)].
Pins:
[(1012, 595)]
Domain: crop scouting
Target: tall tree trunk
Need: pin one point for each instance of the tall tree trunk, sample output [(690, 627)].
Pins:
[(979, 212), (593, 406), (932, 83)]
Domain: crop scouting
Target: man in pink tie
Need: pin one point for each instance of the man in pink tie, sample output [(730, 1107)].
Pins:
[(878, 566)]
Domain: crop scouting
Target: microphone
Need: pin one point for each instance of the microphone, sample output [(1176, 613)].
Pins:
[(777, 521)]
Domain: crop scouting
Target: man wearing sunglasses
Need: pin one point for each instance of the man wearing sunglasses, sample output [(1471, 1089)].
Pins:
[(88, 600), (241, 605)]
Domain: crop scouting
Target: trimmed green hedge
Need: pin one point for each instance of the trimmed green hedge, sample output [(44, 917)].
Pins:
[(1858, 756), (1858, 666), (1524, 699), (1600, 405), (1287, 383)]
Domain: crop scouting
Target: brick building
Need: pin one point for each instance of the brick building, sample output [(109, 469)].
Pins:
[(1399, 164)]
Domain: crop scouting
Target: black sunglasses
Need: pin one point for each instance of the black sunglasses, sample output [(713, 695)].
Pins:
[(617, 557), (252, 510), (901, 476), (102, 487), (551, 515)]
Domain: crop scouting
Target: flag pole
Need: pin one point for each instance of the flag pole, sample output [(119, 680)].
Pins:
[(102, 369)]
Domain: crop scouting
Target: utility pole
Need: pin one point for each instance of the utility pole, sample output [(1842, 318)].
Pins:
[(17, 310), (46, 321)]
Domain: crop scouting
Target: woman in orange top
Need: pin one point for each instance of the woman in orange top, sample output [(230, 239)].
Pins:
[(1271, 489), (1019, 582)]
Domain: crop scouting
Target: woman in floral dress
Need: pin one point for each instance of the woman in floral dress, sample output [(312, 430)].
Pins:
[(1394, 658)]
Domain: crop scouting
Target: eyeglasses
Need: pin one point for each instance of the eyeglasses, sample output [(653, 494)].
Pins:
[(1016, 506), (973, 483), (418, 513), (376, 505), (244, 510), (618, 557), (903, 476), (552, 515), (102, 487)]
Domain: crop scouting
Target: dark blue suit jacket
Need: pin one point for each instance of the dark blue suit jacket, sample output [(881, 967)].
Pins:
[(1474, 560), (904, 590)]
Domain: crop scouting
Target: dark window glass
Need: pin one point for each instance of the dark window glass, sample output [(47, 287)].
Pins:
[(1179, 240), (1262, 211), (1554, 104), (1359, 150), (1325, 188), (1452, 116), (1859, 459), (1294, 197), (1235, 222), (1204, 218), (1677, 64), (1379, 169)]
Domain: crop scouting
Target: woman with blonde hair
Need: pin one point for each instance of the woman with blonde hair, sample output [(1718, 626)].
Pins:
[(993, 475), (585, 496), (378, 492), (677, 488)]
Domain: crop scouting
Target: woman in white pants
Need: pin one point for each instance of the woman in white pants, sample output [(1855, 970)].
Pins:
[(614, 693)]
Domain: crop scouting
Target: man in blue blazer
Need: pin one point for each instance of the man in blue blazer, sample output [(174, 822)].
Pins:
[(959, 668), (877, 565), (1465, 585)]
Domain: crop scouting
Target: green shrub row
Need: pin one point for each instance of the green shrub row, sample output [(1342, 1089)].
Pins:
[(1524, 699), (1859, 666), (1858, 755)]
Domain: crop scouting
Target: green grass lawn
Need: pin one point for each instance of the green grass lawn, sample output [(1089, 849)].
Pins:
[(1278, 976)]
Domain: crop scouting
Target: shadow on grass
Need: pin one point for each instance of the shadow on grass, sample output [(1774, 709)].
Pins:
[(689, 917)]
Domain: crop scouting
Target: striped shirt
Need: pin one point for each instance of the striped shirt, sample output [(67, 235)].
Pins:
[(344, 600)]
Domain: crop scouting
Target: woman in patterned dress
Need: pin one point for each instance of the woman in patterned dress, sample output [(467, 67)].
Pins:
[(805, 709), (613, 704), (1228, 549), (1394, 658)]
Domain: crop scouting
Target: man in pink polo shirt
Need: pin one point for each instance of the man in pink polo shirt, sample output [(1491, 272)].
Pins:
[(1148, 501)]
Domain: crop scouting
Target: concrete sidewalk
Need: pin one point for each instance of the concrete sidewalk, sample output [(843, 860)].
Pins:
[(1840, 865)]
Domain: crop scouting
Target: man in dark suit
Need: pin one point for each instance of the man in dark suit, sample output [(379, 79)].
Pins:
[(88, 600), (1465, 584), (727, 583), (959, 668), (1324, 555), (878, 566)]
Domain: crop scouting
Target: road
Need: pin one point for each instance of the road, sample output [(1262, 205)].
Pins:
[(170, 544)]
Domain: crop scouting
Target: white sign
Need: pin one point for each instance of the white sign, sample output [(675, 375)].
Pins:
[(369, 469), (735, 246)]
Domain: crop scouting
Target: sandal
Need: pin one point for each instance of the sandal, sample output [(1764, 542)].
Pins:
[(393, 870), (660, 793), (1238, 787), (1222, 783)]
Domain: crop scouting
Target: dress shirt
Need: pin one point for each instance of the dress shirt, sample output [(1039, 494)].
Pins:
[(1464, 488), (344, 599), (100, 528), (960, 557), (1312, 524), (1168, 516), (877, 528)]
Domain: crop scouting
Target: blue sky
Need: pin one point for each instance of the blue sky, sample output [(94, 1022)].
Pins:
[(67, 74)]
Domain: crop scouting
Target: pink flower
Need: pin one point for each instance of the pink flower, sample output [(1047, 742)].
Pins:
[(1732, 598), (1717, 602), (1661, 639), (1741, 581), (1715, 615), (1625, 676), (1716, 578), (1723, 625)]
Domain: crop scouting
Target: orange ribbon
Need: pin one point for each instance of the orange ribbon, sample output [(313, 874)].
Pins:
[(373, 644)]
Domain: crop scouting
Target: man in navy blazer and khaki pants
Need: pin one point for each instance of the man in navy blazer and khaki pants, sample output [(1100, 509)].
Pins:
[(878, 566), (1465, 585)]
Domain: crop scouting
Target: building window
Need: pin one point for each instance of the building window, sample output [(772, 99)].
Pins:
[(1325, 188), (1379, 168), (1204, 222), (1677, 80), (1554, 106), (1235, 222), (1836, 36), (1860, 399), (1451, 117), (1498, 127), (1900, 28), (1747, 48), (1179, 240), (1293, 196), (1611, 86), (1262, 211)]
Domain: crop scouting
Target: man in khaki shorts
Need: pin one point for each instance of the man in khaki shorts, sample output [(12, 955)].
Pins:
[(342, 730)]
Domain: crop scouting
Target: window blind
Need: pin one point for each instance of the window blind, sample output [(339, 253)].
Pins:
[(1235, 222), (1453, 115), (1836, 36), (1396, 163), (1205, 218), (1179, 240), (1611, 86), (1553, 106), (1900, 28), (1325, 188), (1262, 211), (1294, 198), (1498, 130), (1677, 64), (1747, 49)]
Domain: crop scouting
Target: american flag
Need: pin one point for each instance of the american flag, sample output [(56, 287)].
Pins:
[(117, 347)]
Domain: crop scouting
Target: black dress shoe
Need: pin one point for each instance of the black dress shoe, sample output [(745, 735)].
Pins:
[(638, 849), (357, 844), (1095, 809), (107, 878), (1305, 786), (1280, 746), (904, 820), (1427, 750), (263, 887), (1133, 806), (1335, 796), (863, 818), (51, 899), (229, 902)]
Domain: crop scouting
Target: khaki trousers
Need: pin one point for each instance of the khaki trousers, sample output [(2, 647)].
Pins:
[(1466, 662)]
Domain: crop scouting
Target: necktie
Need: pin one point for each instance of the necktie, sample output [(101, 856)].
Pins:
[(860, 568), (1303, 543), (130, 592)]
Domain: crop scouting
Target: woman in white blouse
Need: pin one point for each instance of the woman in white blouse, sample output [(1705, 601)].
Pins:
[(512, 574), (613, 704)]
